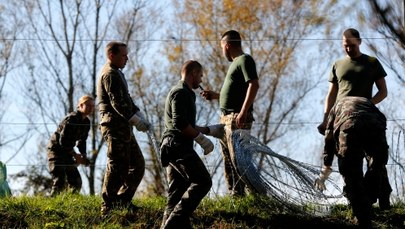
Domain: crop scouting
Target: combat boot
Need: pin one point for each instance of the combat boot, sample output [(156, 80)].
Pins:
[(384, 203), (176, 221)]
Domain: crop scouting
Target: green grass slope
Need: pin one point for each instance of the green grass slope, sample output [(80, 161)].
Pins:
[(77, 211)]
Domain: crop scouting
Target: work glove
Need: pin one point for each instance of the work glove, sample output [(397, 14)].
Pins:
[(205, 143), (323, 176), (139, 122), (217, 130)]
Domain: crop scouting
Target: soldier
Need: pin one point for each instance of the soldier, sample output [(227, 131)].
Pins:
[(355, 75), (236, 102), (189, 180), (62, 159), (356, 130), (118, 113)]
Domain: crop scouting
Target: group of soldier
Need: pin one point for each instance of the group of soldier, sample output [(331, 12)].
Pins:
[(351, 122)]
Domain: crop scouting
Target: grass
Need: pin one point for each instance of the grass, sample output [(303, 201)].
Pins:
[(78, 211)]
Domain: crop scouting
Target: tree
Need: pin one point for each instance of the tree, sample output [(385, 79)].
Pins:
[(389, 22), (67, 36), (10, 26)]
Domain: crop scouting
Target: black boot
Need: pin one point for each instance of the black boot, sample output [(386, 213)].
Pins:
[(384, 203), (177, 221)]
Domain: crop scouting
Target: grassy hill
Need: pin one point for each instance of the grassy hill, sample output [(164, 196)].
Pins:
[(77, 211)]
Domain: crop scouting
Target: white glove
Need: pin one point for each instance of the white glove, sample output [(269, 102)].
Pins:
[(139, 122), (320, 181), (205, 143), (217, 130)]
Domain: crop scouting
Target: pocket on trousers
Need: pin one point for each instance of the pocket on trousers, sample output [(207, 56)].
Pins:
[(169, 150)]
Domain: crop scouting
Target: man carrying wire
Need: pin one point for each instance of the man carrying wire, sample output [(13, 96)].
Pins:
[(356, 130), (355, 75), (236, 102)]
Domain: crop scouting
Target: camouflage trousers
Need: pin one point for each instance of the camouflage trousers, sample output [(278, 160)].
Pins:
[(125, 165), (64, 172), (363, 141), (236, 185), (189, 182)]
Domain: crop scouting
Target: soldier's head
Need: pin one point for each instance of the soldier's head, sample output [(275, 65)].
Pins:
[(351, 42), (117, 53), (231, 44), (86, 105), (191, 73)]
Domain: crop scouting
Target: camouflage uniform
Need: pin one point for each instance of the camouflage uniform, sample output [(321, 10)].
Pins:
[(356, 130), (189, 180), (235, 183), (73, 129), (125, 162), (356, 77)]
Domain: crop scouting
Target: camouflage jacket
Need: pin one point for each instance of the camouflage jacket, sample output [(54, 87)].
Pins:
[(113, 95), (344, 115), (71, 132)]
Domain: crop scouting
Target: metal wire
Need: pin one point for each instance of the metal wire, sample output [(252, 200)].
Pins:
[(288, 181)]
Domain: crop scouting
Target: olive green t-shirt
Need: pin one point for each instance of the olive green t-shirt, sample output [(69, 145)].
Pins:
[(356, 76), (233, 92)]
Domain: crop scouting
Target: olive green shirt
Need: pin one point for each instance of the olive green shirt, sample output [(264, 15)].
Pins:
[(180, 111), (234, 89), (356, 76)]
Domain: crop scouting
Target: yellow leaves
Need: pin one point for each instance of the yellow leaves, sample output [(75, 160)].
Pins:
[(241, 11), (174, 53), (138, 73), (271, 30)]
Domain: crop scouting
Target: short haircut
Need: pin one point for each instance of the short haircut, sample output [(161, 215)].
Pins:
[(189, 66), (114, 47), (232, 37), (353, 32), (84, 99)]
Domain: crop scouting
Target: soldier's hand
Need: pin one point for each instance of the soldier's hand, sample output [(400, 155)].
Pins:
[(80, 159), (323, 176), (322, 128), (205, 143)]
